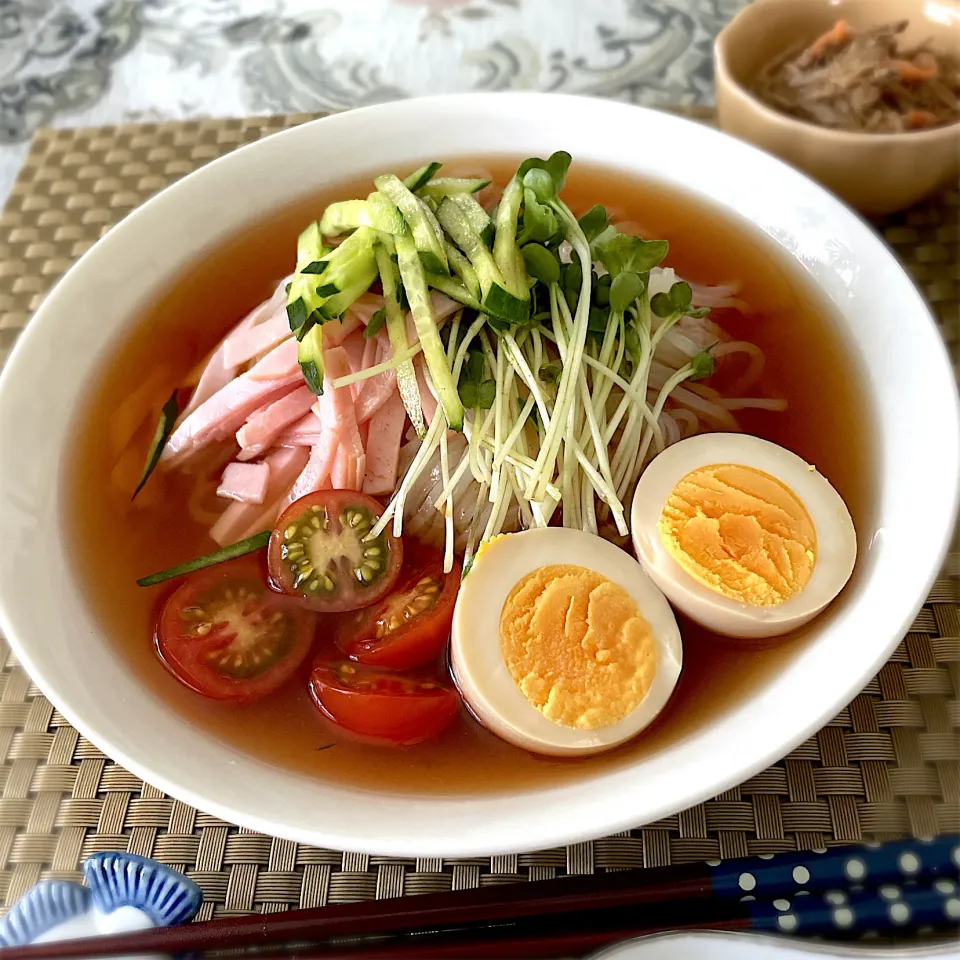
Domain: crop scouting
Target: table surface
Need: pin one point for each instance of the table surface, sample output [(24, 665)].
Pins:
[(69, 63), (886, 766)]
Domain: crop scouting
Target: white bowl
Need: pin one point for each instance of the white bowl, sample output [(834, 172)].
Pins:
[(910, 381)]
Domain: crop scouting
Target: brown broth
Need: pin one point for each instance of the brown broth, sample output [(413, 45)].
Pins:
[(115, 541)]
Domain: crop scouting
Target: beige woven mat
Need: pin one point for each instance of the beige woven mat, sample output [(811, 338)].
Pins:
[(886, 766)]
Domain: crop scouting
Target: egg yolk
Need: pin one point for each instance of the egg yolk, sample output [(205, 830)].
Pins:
[(577, 646), (740, 532)]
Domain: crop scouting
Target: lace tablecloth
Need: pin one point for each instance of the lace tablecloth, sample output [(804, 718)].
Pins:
[(68, 63)]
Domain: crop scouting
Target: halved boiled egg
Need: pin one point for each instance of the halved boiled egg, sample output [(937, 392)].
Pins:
[(561, 644), (742, 535)]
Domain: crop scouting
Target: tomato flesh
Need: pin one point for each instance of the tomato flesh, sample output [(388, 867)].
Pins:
[(319, 553), (382, 706), (224, 634), (409, 627)]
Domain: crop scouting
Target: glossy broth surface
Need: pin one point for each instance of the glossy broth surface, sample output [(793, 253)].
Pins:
[(116, 541)]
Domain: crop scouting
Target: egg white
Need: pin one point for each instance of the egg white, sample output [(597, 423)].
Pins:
[(483, 677), (836, 537)]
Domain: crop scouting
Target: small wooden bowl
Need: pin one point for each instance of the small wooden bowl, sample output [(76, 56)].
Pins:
[(875, 172)]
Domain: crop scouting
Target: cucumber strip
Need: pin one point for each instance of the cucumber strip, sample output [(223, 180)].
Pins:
[(353, 256), (476, 216), (423, 225), (445, 186), (419, 178), (460, 265), (428, 257), (365, 273), (496, 299), (335, 278), (310, 356), (506, 254), (397, 331), (309, 245), (501, 303), (257, 542), (376, 211), (168, 417), (455, 291), (347, 271), (415, 283), (302, 297)]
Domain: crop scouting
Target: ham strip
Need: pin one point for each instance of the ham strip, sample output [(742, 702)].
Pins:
[(254, 341), (218, 372), (336, 331), (241, 520), (354, 346), (224, 413), (349, 466), (377, 390), (371, 348), (428, 401), (338, 414), (316, 473), (383, 447), (280, 362), (257, 435), (304, 433), (244, 482)]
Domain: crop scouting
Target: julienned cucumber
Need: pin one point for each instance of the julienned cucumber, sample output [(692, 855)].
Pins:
[(310, 356), (350, 269), (446, 186), (506, 253), (257, 542), (376, 211), (397, 331), (328, 281), (415, 284), (495, 298), (419, 178), (476, 216), (168, 417), (303, 301), (423, 226), (310, 246), (453, 289), (460, 265)]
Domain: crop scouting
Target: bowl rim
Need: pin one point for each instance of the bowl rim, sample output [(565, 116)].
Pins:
[(535, 832), (724, 75)]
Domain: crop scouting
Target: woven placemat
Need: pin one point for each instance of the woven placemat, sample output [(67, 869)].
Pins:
[(887, 766)]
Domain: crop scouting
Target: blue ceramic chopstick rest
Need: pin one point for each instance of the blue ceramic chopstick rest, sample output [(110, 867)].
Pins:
[(124, 892)]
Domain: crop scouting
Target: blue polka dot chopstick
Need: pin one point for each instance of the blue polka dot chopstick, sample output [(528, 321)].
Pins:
[(841, 868), (891, 909), (844, 891)]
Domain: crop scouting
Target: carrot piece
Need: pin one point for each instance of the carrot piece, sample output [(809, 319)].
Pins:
[(921, 119), (913, 73), (834, 37)]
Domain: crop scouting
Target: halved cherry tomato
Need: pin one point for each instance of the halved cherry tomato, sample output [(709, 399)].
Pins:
[(318, 553), (224, 634), (383, 706), (407, 628)]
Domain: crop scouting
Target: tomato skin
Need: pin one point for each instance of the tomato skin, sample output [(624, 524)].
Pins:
[(205, 623), (295, 547), (381, 706), (421, 636)]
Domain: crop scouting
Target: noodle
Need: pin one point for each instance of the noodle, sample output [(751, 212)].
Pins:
[(671, 431), (756, 366), (687, 421)]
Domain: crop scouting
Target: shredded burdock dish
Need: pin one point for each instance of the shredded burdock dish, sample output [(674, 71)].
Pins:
[(864, 82)]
